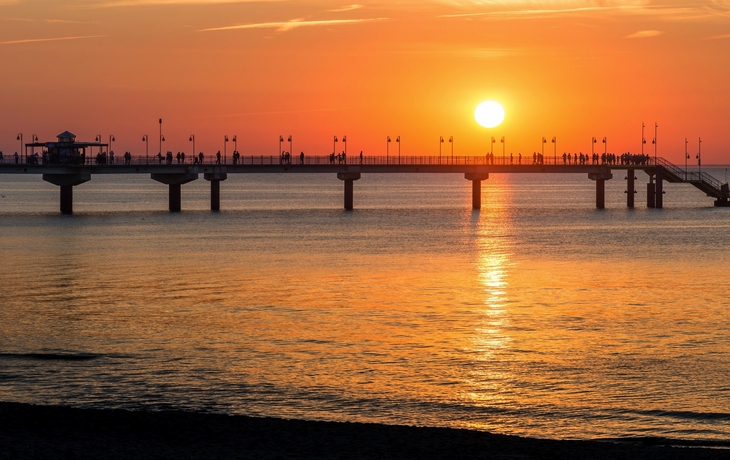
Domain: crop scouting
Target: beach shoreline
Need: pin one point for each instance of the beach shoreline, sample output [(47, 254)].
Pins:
[(31, 431)]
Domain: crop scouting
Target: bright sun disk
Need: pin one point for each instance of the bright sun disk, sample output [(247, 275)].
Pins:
[(489, 114)]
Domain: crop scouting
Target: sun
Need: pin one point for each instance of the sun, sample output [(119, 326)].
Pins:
[(489, 114)]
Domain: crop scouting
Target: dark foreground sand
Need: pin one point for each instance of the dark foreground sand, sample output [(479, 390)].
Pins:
[(40, 432)]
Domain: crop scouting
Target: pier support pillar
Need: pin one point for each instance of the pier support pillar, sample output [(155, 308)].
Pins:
[(601, 178), (650, 193), (348, 178), (215, 189), (476, 188), (67, 182), (659, 187), (175, 181), (630, 188)]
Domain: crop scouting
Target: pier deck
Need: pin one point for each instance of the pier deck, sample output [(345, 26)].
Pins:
[(475, 168)]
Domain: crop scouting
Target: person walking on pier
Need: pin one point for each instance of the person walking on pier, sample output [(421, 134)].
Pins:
[(16, 157), (182, 157), (218, 157), (178, 157), (1, 156), (301, 158), (519, 158), (200, 158)]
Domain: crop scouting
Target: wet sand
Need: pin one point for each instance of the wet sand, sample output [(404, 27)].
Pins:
[(53, 432)]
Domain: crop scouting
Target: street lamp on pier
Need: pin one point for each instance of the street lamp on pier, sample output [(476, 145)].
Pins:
[(33, 140), (281, 139), (542, 145), (593, 151), (161, 138), (686, 157), (192, 139), (397, 139), (225, 144), (451, 141), (605, 146), (235, 143), (146, 140), (504, 146), (291, 150), (699, 157), (441, 141), (491, 149), (111, 141), (643, 140), (334, 145), (344, 141), (20, 138), (98, 139), (654, 141), (555, 149)]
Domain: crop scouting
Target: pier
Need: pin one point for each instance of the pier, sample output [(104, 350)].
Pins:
[(64, 166)]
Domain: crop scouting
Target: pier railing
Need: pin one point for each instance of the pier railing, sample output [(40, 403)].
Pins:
[(483, 160)]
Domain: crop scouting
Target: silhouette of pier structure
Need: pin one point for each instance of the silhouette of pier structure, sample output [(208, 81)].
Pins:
[(64, 164)]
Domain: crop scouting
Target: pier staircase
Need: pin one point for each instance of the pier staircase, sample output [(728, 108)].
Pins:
[(703, 181)]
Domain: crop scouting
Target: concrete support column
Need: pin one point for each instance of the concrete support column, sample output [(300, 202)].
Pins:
[(175, 181), (601, 178), (348, 178), (175, 201), (600, 193), (658, 187), (476, 188), (67, 182), (67, 199), (650, 195), (630, 188), (215, 189)]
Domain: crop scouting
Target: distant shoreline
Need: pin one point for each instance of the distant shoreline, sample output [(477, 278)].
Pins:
[(30, 431)]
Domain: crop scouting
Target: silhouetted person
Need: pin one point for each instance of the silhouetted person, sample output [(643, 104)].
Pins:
[(200, 158), (301, 158), (218, 157), (360, 156)]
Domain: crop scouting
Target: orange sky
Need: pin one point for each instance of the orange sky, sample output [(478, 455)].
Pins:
[(314, 69)]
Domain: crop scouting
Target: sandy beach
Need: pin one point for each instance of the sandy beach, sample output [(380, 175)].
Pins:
[(28, 431)]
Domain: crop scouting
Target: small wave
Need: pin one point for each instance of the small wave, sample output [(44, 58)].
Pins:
[(661, 441), (51, 356), (689, 415)]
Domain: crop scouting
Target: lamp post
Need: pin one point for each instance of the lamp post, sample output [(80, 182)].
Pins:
[(387, 151), (555, 150), (334, 145), (654, 141), (491, 149), (33, 140), (146, 140), (699, 157), (192, 139), (441, 141), (20, 138), (397, 139), (111, 141), (98, 139), (542, 145), (161, 138), (593, 143), (605, 146), (291, 150), (643, 141), (686, 157), (344, 141), (451, 141), (225, 144), (504, 146)]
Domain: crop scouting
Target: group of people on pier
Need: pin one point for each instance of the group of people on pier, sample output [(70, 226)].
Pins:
[(340, 157)]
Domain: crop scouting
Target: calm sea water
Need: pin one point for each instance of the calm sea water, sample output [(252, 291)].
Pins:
[(538, 316)]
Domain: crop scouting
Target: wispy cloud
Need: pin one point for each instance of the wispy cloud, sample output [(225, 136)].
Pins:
[(346, 8), (121, 3), (292, 24), (718, 37), (645, 34), (54, 39)]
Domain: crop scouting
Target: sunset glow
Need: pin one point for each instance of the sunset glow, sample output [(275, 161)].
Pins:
[(319, 68)]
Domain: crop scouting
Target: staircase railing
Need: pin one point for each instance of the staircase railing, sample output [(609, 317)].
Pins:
[(688, 176)]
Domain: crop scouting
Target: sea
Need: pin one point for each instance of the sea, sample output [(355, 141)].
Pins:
[(538, 315)]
